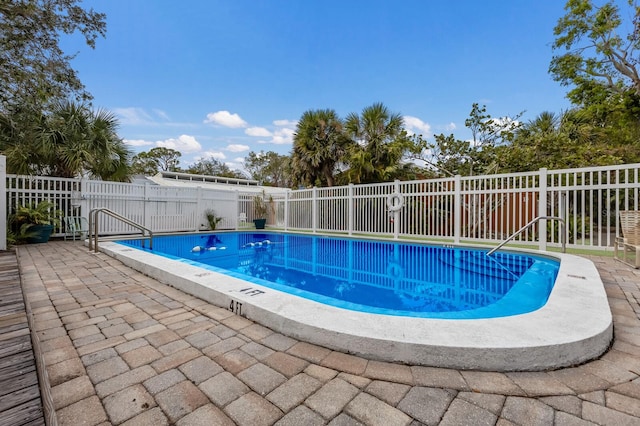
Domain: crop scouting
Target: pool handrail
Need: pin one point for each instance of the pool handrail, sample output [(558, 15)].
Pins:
[(531, 223), (93, 227)]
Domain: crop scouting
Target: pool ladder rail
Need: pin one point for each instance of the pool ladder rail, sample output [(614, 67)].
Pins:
[(94, 232), (563, 237)]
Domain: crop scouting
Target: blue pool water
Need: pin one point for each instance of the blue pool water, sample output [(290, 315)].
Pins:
[(373, 276)]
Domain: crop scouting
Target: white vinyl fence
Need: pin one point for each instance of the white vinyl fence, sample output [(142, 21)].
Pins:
[(159, 208), (477, 208), (485, 209)]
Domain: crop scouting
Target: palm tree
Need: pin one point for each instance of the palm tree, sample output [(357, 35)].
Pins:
[(114, 162), (380, 143), (70, 141), (545, 123), (20, 132), (319, 144), (555, 141)]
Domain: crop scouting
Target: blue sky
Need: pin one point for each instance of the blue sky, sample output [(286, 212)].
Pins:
[(222, 78)]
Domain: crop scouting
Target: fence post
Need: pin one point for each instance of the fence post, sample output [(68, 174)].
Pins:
[(146, 221), (350, 209), (542, 209), (286, 210), (237, 211), (198, 213), (457, 207), (3, 204), (84, 208), (396, 213), (314, 209)]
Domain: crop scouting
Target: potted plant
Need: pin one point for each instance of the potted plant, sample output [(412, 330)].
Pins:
[(212, 219), (34, 223), (259, 211)]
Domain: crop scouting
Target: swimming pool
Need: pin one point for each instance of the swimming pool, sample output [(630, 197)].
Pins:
[(378, 277), (573, 326)]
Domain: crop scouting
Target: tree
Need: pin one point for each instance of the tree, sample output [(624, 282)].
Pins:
[(269, 168), (567, 140), (155, 160), (111, 156), (319, 145), (144, 164), (214, 167), (20, 132), (489, 136), (70, 141), (540, 143), (448, 156), (487, 131), (380, 145), (34, 70), (595, 56), (598, 54)]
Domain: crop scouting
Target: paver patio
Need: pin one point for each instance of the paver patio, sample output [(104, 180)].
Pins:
[(121, 348)]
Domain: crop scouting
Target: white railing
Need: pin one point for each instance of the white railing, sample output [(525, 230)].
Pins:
[(482, 209), (159, 208)]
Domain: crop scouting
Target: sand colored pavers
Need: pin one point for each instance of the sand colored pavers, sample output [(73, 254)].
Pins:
[(121, 348)]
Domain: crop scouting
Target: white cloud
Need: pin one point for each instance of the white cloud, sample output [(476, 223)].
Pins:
[(450, 127), (280, 136), (238, 160), (238, 166), (214, 154), (237, 148), (414, 124), (163, 115), (285, 123), (137, 142), (258, 131), (226, 119), (133, 116), (184, 143), (138, 116), (283, 136)]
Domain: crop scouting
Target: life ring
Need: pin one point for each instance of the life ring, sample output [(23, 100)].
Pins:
[(395, 202), (395, 271)]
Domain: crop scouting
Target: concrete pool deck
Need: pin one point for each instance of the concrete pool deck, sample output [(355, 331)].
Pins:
[(575, 324), (122, 348)]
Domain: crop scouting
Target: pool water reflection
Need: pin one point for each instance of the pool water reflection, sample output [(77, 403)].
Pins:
[(374, 276)]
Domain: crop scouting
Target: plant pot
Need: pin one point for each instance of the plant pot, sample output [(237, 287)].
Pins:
[(259, 223), (39, 234)]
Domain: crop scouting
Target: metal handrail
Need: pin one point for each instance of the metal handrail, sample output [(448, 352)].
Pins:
[(515, 234), (93, 227)]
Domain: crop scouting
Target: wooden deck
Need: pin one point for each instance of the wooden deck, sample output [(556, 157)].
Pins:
[(20, 402)]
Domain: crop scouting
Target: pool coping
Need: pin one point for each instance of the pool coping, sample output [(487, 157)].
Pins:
[(574, 326)]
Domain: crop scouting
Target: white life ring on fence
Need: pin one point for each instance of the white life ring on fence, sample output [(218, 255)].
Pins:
[(395, 202)]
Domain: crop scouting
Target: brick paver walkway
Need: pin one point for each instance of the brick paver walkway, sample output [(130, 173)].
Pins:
[(122, 349)]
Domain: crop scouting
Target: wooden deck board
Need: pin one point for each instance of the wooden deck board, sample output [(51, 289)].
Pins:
[(18, 380), (29, 412), (20, 399), (15, 345), (10, 301), (16, 318), (10, 328), (19, 362)]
